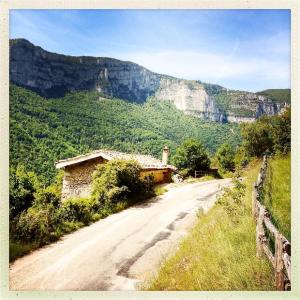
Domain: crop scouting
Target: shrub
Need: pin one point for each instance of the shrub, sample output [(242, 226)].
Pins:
[(38, 224), (232, 200), (79, 210), (119, 180), (22, 186), (241, 159), (48, 195)]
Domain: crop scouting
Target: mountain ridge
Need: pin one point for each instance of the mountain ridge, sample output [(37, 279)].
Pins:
[(53, 75)]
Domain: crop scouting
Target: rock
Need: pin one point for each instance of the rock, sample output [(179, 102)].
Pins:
[(52, 75)]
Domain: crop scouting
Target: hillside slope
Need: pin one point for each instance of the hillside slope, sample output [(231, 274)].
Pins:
[(277, 193), (43, 131), (53, 75)]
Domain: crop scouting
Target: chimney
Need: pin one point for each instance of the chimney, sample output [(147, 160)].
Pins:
[(165, 155)]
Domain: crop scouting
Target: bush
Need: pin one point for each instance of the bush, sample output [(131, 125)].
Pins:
[(232, 200), (22, 186), (191, 156), (48, 195), (79, 210), (119, 181), (38, 225), (241, 159)]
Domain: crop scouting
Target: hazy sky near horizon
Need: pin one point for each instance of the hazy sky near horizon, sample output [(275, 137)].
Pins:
[(238, 49)]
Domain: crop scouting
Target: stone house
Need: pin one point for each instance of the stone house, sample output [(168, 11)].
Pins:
[(77, 181)]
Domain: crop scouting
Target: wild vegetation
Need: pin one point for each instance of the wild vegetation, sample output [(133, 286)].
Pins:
[(42, 217), (277, 193), (43, 131), (220, 252), (222, 244), (269, 134)]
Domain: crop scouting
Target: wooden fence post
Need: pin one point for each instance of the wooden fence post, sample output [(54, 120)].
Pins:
[(279, 274), (254, 199), (260, 233)]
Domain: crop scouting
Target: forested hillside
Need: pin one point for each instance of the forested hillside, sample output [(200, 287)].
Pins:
[(43, 131), (278, 95)]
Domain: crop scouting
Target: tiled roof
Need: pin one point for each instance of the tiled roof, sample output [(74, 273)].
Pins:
[(146, 161)]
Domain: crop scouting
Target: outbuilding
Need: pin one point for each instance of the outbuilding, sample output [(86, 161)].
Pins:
[(78, 171)]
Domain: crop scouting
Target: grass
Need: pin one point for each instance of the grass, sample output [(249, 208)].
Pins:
[(160, 190), (200, 179), (220, 251), (277, 193), (17, 249)]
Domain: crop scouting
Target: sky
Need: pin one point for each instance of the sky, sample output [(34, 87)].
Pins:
[(238, 49)]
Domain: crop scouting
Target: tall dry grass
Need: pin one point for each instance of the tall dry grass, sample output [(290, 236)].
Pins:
[(220, 251)]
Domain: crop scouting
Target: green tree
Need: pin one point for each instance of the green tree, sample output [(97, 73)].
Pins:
[(282, 132), (241, 158), (258, 136), (22, 186), (191, 156), (225, 157)]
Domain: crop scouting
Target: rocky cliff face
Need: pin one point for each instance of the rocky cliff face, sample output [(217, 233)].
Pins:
[(52, 75)]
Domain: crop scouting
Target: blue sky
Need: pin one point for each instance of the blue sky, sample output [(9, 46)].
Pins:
[(239, 49)]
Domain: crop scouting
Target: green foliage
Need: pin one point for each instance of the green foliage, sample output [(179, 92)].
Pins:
[(18, 249), (43, 131), (79, 210), (277, 192), (241, 159), (45, 218), (268, 134), (119, 181), (22, 186), (37, 225), (49, 195), (257, 136), (225, 157), (223, 101), (282, 132), (232, 200), (191, 156)]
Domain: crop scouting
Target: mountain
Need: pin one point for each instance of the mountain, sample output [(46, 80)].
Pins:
[(53, 75), (43, 130)]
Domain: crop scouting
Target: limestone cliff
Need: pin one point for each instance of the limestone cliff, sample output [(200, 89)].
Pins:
[(52, 75)]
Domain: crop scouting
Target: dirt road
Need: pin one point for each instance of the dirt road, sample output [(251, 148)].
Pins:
[(119, 252)]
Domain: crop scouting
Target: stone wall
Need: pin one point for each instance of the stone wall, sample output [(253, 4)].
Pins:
[(78, 179)]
